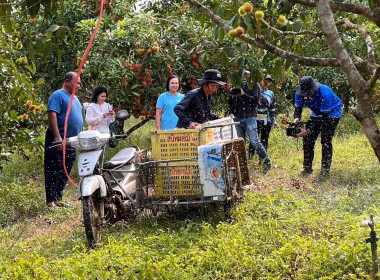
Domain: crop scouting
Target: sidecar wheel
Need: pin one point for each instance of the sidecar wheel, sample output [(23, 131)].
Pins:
[(92, 219)]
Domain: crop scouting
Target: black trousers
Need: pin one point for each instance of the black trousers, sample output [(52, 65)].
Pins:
[(263, 130), (55, 176), (315, 126)]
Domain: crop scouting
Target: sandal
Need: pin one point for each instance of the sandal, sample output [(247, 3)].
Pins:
[(50, 204), (59, 203)]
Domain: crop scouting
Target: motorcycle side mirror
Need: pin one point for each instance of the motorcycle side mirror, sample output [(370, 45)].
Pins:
[(122, 115)]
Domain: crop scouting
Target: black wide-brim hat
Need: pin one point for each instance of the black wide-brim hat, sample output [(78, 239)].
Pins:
[(307, 86), (212, 76)]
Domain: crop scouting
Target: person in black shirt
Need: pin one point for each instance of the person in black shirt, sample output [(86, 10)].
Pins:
[(195, 107), (244, 108)]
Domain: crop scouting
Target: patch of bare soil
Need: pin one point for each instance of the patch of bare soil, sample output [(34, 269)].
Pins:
[(45, 225), (268, 185)]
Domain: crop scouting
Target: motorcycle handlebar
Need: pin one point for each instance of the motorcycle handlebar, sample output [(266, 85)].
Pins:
[(56, 144)]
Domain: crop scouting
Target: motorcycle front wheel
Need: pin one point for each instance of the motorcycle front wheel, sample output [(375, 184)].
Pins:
[(92, 218)]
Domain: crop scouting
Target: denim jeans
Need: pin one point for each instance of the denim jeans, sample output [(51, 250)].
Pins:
[(263, 130), (249, 126)]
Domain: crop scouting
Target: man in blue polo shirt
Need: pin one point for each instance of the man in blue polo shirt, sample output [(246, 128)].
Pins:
[(326, 110), (55, 177)]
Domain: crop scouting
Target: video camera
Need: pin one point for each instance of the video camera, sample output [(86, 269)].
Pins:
[(293, 129), (235, 91)]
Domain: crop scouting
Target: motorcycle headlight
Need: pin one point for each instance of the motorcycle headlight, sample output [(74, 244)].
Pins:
[(89, 143)]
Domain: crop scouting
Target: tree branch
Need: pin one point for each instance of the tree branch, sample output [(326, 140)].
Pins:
[(303, 32), (262, 43), (374, 78), (372, 15), (336, 45), (367, 37)]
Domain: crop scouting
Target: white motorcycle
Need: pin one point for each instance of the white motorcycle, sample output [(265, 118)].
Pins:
[(106, 189), (133, 180)]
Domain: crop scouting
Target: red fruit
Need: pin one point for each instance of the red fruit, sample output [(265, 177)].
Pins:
[(248, 8), (138, 44), (28, 105), (38, 108), (124, 80), (25, 116), (239, 30), (171, 60), (100, 50), (32, 107)]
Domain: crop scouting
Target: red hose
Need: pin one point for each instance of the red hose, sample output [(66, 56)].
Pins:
[(84, 57)]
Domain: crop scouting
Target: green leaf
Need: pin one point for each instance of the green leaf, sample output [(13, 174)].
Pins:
[(235, 79), (31, 50), (71, 35), (40, 81), (134, 86), (53, 28), (371, 4), (8, 26), (202, 20), (222, 33), (61, 32), (48, 51)]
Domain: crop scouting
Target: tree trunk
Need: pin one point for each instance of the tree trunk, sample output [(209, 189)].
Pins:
[(364, 115), (361, 87)]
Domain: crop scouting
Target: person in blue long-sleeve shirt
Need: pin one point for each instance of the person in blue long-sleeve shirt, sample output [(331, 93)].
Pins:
[(326, 110), (195, 107)]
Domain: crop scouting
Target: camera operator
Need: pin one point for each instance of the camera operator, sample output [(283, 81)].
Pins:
[(243, 105), (326, 110)]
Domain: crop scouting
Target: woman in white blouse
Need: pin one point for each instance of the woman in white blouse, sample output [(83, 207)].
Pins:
[(99, 113)]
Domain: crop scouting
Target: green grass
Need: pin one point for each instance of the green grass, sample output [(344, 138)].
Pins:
[(287, 227)]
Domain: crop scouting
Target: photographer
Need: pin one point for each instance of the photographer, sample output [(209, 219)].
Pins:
[(326, 110), (243, 105)]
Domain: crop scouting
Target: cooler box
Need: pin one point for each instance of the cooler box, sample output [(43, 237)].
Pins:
[(213, 170), (227, 132)]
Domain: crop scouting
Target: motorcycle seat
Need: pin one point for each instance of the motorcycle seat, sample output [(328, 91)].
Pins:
[(122, 157)]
